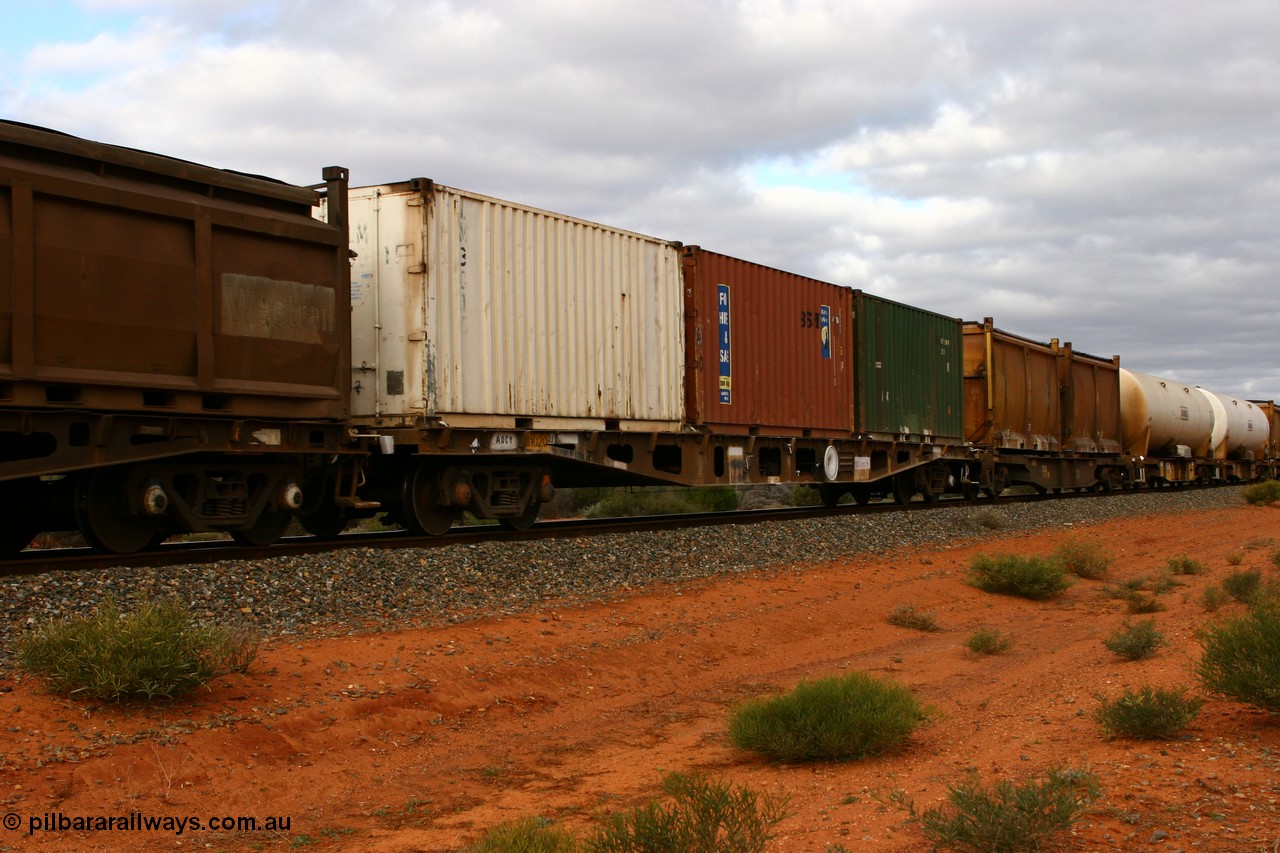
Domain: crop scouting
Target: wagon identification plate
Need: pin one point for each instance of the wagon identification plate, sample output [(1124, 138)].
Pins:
[(726, 359), (255, 306)]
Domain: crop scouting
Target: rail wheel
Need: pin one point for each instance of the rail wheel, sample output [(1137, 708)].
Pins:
[(421, 508), (525, 519), (267, 530), (13, 540), (830, 495), (103, 517), (328, 522), (904, 487)]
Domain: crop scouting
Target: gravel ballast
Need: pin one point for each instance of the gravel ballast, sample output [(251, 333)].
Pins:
[(367, 590)]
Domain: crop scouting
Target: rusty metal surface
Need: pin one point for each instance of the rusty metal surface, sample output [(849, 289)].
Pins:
[(134, 282), (767, 350), (910, 372), (1090, 402), (1011, 390)]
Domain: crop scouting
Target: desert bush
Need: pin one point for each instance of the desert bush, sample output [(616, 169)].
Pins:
[(1184, 565), (1037, 578), (1241, 654), (1011, 817), (1083, 559), (158, 650), (703, 816), (1213, 598), (621, 503), (1137, 602), (1242, 585), (1147, 714), (528, 835), (848, 717), (1261, 494), (986, 642), (906, 616), (1235, 558), (1135, 642)]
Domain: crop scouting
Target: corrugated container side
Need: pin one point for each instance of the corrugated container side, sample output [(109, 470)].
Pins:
[(1090, 402), (1272, 413), (767, 349), (1011, 390), (497, 310), (132, 281), (910, 377)]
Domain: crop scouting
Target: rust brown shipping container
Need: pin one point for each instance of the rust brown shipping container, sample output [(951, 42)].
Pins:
[(1272, 413), (1090, 402), (766, 351), (1011, 396), (133, 282)]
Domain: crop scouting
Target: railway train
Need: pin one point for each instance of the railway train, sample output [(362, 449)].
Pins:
[(187, 349)]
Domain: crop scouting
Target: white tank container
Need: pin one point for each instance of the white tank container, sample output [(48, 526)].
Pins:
[(1239, 427), (1160, 416), (484, 313)]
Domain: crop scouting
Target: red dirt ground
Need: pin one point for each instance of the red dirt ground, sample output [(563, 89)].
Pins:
[(421, 740)]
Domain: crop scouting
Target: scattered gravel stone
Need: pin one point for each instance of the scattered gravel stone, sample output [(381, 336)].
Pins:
[(367, 590)]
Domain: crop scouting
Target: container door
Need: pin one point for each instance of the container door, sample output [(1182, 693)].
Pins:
[(387, 295)]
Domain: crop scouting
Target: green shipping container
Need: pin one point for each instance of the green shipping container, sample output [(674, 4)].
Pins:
[(909, 373)]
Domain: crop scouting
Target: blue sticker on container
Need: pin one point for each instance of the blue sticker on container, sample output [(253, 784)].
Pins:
[(824, 323), (726, 358)]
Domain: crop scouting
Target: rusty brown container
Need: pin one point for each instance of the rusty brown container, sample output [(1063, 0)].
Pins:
[(1272, 413), (766, 351), (1090, 402), (1011, 396), (133, 282)]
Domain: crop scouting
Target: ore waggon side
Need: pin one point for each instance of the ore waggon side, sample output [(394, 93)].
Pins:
[(174, 344)]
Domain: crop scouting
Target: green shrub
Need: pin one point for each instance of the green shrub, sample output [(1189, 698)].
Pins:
[(529, 835), (1184, 565), (1083, 559), (158, 650), (1009, 818), (1135, 642), (1241, 655), (1261, 494), (985, 642), (1242, 585), (1148, 714), (621, 503), (1137, 602), (847, 717), (1213, 598), (1275, 559), (703, 816), (1010, 574), (906, 616)]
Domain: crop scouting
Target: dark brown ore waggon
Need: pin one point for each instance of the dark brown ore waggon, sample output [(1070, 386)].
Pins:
[(174, 343)]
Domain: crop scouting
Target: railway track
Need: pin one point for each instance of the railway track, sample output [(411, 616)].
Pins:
[(41, 560)]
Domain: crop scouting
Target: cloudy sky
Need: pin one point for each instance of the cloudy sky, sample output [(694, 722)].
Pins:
[(1106, 173)]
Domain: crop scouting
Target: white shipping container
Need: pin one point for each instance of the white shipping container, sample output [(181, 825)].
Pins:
[(486, 313)]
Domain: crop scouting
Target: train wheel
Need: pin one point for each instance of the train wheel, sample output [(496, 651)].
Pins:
[(267, 530), (12, 541), (103, 520), (524, 520), (830, 495), (420, 506), (904, 487), (328, 522), (970, 490), (861, 495)]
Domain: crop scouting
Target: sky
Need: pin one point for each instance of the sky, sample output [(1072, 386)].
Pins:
[(1104, 173)]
